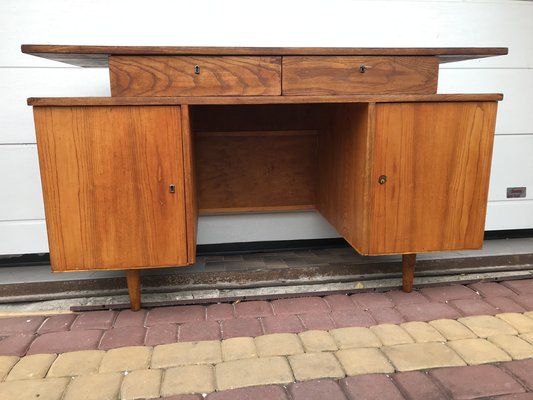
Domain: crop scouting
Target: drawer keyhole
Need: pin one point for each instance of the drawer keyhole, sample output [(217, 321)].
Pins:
[(362, 69), (172, 188), (382, 179), (197, 69)]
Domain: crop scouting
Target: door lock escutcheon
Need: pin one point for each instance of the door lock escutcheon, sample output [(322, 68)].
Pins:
[(172, 188), (382, 179)]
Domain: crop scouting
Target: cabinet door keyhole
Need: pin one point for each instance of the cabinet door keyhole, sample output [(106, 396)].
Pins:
[(172, 188), (382, 179)]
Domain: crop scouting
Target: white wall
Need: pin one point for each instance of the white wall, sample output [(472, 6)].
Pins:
[(259, 23)]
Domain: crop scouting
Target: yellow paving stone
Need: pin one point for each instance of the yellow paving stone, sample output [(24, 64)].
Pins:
[(186, 353), (188, 379), (31, 367), (516, 347), (76, 363), (520, 322), (315, 365), (126, 359), (349, 338), (391, 335), (487, 325), (6, 363), (38, 313), (141, 384), (422, 332), (238, 348), (478, 351), (529, 314), (278, 344), (528, 337), (94, 387), (364, 361), (252, 372), (317, 341), (35, 389), (416, 356), (452, 330)]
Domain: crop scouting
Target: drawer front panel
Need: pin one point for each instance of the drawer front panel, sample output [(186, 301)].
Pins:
[(194, 76), (319, 75)]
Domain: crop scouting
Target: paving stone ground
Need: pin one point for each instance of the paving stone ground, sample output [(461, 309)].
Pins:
[(449, 342)]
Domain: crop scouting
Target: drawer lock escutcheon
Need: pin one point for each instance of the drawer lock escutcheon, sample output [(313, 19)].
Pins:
[(172, 188), (197, 69), (362, 68), (382, 179)]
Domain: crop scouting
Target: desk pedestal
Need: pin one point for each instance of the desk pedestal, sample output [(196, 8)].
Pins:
[(123, 184)]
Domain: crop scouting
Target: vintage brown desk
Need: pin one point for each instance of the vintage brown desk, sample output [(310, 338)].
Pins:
[(355, 133)]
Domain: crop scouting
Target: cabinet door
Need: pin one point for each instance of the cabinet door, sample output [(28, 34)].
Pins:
[(106, 174), (436, 158)]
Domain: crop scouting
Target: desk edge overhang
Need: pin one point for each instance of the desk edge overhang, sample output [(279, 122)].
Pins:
[(97, 56), (229, 100)]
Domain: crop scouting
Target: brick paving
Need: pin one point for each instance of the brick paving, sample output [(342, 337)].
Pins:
[(111, 329), (451, 342), (492, 382)]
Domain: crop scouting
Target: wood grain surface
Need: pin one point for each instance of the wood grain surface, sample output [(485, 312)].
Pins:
[(106, 173), (256, 117), (190, 183), (133, 279), (97, 56), (437, 159), (342, 75), (176, 76), (256, 171), (256, 158), (408, 272), (344, 171), (227, 100)]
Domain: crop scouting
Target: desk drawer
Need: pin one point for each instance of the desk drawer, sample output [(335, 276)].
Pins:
[(194, 76), (331, 75)]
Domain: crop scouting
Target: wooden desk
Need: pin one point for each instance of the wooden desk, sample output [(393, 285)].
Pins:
[(357, 134)]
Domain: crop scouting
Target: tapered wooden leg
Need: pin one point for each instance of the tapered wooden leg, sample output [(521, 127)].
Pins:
[(408, 271), (134, 288)]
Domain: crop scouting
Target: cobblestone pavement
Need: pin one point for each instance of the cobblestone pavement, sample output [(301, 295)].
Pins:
[(449, 342)]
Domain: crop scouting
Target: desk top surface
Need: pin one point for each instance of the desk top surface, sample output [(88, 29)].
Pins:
[(97, 56), (232, 100)]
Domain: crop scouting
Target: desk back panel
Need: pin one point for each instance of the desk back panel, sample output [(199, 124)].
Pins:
[(256, 171), (257, 158)]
